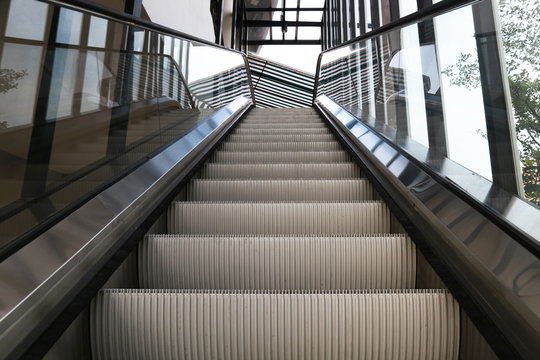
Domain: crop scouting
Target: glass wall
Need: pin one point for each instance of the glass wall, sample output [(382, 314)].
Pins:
[(83, 98), (443, 87)]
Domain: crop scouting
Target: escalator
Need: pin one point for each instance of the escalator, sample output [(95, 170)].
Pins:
[(277, 249), (170, 216)]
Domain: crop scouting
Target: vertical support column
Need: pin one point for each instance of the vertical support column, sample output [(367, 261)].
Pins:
[(123, 92), (434, 109), (502, 147), (234, 23), (41, 141)]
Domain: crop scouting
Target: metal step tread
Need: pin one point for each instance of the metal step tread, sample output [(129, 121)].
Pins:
[(277, 263), (281, 146), (279, 157), (276, 190), (142, 324), (306, 218), (280, 171), (280, 138)]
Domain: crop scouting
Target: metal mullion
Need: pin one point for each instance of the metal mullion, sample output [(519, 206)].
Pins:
[(297, 19), (81, 65)]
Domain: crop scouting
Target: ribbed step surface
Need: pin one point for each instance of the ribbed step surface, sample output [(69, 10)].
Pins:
[(278, 218), (280, 138), (280, 171), (131, 324), (280, 157), (300, 124), (294, 131), (277, 263), (281, 146), (279, 190)]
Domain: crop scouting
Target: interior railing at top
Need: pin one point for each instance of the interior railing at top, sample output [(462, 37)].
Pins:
[(436, 84), (85, 96)]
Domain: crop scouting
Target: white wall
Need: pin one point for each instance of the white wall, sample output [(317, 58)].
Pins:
[(189, 16)]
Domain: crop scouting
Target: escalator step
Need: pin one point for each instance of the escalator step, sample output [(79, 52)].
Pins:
[(281, 138), (279, 157), (277, 263), (281, 146), (279, 190), (280, 171), (302, 218), (282, 125), (161, 324), (303, 131)]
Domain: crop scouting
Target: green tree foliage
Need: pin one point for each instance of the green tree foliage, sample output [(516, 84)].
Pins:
[(520, 36)]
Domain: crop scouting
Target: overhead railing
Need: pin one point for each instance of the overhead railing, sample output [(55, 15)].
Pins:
[(443, 143), (104, 117)]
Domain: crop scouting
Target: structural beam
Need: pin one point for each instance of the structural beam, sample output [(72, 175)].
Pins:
[(284, 42), (277, 23)]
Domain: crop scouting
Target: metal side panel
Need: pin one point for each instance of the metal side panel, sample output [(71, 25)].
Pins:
[(280, 157), (204, 325), (279, 218), (277, 263), (36, 280), (279, 190), (281, 171)]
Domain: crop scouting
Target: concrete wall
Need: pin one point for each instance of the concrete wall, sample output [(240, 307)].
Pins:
[(189, 16)]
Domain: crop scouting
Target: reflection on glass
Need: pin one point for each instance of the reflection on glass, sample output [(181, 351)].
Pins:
[(464, 105), (69, 27), (26, 19), (434, 84), (74, 117)]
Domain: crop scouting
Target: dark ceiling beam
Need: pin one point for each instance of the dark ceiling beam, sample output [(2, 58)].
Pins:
[(280, 9), (284, 42), (277, 23)]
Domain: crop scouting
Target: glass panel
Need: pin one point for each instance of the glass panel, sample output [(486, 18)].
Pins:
[(69, 27), (26, 20), (439, 86), (75, 118)]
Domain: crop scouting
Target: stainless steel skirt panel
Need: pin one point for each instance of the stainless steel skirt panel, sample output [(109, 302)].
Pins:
[(204, 325), (277, 263), (278, 218)]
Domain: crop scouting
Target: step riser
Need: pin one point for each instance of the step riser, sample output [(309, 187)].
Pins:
[(279, 190), (291, 125), (269, 157), (309, 131), (283, 146), (280, 171), (274, 326), (279, 218), (280, 138), (282, 263)]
